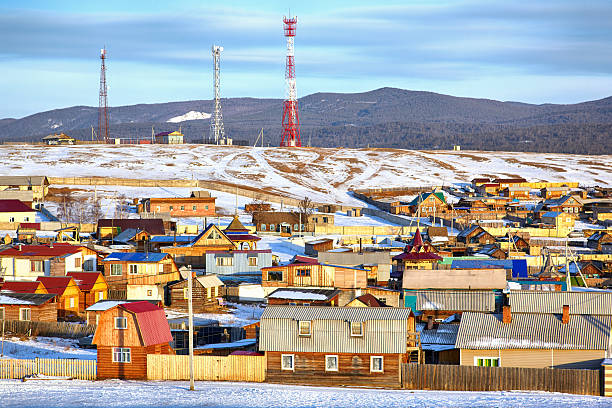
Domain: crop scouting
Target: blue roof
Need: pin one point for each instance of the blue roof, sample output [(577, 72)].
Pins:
[(552, 214), (135, 257), (163, 239), (518, 266)]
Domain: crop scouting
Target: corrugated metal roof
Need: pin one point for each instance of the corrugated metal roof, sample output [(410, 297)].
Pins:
[(209, 281), (596, 303), (23, 180), (151, 321), (480, 331), (356, 314), (445, 333), (472, 301), (25, 298)]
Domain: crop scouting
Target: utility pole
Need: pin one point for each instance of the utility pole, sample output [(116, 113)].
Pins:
[(190, 311), (3, 320)]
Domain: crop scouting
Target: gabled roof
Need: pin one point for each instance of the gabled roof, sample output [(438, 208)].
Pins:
[(34, 299), (304, 294), (209, 281), (102, 305), (586, 303), (235, 226), (455, 300), (207, 231), (482, 331), (85, 280), (444, 333), (370, 301), (135, 257), (41, 250), (552, 214), (23, 180), (14, 206), (20, 286), (151, 320), (355, 314), (56, 284), (127, 235), (419, 199), (554, 202), (154, 226), (471, 228)]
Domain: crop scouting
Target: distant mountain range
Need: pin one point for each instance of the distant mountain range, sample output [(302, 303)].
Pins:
[(386, 117)]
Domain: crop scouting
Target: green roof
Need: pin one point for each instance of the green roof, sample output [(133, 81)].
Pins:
[(424, 196)]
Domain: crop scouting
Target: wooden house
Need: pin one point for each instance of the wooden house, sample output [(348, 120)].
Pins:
[(313, 274), (206, 292), (30, 261), (492, 250), (36, 307), (486, 189), (510, 182), (439, 304), (332, 346), (67, 294), (366, 300), (520, 193), (240, 235), (194, 252), (22, 287), (125, 335), (92, 285), (136, 237), (110, 228), (61, 139), (257, 207), (312, 248), (140, 275), (539, 329), (39, 185), (93, 312), (418, 254), (175, 137), (423, 205), (475, 234), (303, 297), (558, 220), (180, 206), (390, 297), (554, 192), (438, 342), (16, 211), (239, 262), (598, 239), (377, 263), (568, 204), (288, 223)]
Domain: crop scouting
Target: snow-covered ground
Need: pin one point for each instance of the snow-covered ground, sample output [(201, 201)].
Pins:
[(45, 347), (324, 175), (238, 315), (115, 393)]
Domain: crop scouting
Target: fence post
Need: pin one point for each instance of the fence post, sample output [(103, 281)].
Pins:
[(606, 377), (36, 366)]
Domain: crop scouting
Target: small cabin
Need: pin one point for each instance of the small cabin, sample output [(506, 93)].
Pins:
[(206, 292)]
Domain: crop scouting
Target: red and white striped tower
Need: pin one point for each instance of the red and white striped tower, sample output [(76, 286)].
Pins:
[(291, 121)]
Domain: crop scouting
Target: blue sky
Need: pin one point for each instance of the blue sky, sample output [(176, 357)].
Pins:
[(529, 51)]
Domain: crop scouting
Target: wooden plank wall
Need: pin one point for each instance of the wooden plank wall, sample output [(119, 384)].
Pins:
[(50, 329), (73, 368), (469, 378), (207, 368)]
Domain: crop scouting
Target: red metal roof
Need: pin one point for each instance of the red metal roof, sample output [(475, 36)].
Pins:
[(20, 286), (152, 322), (242, 237), (55, 284), (14, 206), (371, 301), (30, 225), (41, 250), (85, 280), (416, 256)]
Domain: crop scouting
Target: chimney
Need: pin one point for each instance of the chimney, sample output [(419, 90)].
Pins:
[(430, 323), (20, 247), (507, 316), (566, 316)]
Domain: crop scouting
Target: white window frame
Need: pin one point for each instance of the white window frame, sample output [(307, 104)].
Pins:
[(251, 258), (484, 358), (120, 319), (288, 368), (113, 268), (334, 356), (71, 302), (353, 334), (307, 323), (28, 312), (101, 295), (124, 354), (224, 261), (382, 364)]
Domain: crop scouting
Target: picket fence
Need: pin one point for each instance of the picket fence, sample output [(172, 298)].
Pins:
[(49, 329), (72, 368), (207, 368)]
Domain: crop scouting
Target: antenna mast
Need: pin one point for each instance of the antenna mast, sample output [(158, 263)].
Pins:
[(103, 106), (217, 131), (291, 121)]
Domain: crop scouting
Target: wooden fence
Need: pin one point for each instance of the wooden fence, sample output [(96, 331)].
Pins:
[(51, 329), (207, 368), (468, 378), (72, 368)]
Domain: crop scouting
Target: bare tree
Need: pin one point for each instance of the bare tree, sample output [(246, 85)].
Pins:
[(305, 209)]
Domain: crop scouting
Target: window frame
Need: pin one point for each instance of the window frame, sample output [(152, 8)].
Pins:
[(305, 322), (122, 352), (113, 270), (353, 334), (120, 319), (382, 364), (252, 258), (302, 273), (135, 266), (285, 368), (218, 261), (485, 358), (275, 274), (335, 356), (29, 313), (2, 313)]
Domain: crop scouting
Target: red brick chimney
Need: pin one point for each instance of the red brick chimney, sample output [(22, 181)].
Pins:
[(566, 316), (507, 316)]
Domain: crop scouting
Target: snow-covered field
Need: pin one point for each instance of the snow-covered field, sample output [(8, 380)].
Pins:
[(322, 174), (117, 393), (238, 315), (45, 347)]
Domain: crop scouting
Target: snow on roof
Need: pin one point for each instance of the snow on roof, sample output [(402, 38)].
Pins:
[(9, 300), (292, 294)]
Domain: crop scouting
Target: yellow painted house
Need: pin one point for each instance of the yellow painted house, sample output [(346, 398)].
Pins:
[(93, 287), (67, 294), (16, 211)]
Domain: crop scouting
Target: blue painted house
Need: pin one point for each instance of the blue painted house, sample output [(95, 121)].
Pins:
[(238, 261)]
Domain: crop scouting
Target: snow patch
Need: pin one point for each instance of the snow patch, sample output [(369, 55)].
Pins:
[(191, 115)]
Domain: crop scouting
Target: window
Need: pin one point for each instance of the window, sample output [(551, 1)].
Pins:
[(149, 293), (37, 266), (272, 227), (194, 208), (331, 363), (11, 219), (208, 293), (171, 208), (26, 219), (225, 261), (295, 227), (100, 295), (304, 327), (252, 261), (305, 304), (70, 303), (206, 207), (133, 269), (376, 364), (160, 269), (325, 220), (77, 263), (115, 270), (486, 361), (158, 208), (25, 314), (275, 275), (182, 208), (122, 355), (121, 323), (263, 227), (303, 272), (287, 362), (1, 313), (357, 329), (185, 293)]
